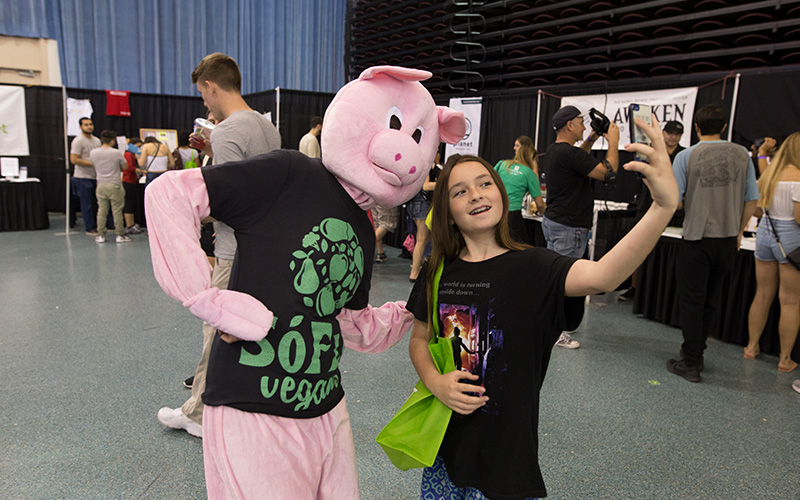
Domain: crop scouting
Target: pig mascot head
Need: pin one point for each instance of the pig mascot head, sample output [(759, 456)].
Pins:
[(381, 132)]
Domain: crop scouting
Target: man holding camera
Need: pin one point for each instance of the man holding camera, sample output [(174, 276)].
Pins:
[(570, 198)]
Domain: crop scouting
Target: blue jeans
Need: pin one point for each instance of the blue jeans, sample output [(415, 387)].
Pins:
[(767, 248), (151, 176), (566, 240), (86, 189)]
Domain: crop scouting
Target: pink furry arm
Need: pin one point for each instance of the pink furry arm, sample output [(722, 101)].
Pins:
[(175, 205), (375, 329)]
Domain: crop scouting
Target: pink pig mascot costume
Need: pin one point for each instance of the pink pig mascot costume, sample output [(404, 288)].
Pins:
[(275, 424)]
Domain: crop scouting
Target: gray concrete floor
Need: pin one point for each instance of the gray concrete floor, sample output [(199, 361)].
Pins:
[(92, 348)]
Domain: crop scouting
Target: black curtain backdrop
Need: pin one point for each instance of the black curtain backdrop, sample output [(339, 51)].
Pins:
[(297, 109), (44, 110), (264, 102), (43, 106), (147, 111), (767, 105), (503, 119)]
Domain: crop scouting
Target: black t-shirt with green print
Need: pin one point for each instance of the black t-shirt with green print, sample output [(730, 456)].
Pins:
[(304, 249)]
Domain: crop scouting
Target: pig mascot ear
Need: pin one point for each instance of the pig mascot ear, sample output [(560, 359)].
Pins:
[(381, 132), (452, 125)]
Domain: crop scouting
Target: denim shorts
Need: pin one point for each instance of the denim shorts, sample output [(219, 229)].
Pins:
[(766, 246), (565, 240), (417, 208)]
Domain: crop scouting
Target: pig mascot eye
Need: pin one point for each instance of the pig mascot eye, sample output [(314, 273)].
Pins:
[(417, 135), (394, 118)]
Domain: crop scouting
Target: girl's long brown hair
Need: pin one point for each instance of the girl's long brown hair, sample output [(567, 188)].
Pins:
[(446, 238), (788, 155)]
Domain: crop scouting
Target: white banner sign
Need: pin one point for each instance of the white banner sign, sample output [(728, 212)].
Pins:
[(670, 104), (13, 125), (471, 107)]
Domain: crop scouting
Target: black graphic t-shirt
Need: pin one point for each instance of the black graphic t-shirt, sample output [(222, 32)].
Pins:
[(570, 199), (304, 250), (503, 316)]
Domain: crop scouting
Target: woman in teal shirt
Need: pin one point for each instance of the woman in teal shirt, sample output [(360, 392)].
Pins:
[(519, 177)]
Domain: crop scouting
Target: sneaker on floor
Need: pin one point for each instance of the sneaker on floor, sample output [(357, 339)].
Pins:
[(175, 419), (566, 341), (628, 295), (796, 386), (189, 382), (381, 258), (134, 229), (124, 239), (99, 239), (679, 367)]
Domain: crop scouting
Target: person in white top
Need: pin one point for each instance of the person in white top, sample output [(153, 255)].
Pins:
[(779, 186), (309, 144), (155, 158)]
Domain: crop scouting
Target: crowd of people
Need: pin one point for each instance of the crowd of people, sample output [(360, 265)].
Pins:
[(261, 378), (109, 182)]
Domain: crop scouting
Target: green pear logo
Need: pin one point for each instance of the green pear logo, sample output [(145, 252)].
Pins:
[(329, 267)]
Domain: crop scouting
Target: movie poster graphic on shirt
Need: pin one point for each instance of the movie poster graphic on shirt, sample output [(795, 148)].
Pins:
[(668, 104), (471, 107), (13, 124), (476, 346)]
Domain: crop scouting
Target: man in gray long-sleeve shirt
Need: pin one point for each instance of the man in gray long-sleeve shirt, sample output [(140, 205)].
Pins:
[(242, 133)]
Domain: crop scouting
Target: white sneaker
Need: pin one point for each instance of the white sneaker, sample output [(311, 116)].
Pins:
[(99, 239), (796, 386), (175, 419), (566, 341), (124, 239)]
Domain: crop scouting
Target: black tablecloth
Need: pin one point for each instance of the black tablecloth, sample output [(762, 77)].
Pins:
[(22, 206), (657, 297)]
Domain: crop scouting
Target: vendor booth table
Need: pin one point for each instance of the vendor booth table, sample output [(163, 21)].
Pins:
[(22, 205), (657, 294)]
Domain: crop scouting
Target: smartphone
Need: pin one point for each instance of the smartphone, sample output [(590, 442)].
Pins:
[(644, 113)]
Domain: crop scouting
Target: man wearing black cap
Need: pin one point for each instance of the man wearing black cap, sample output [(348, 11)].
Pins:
[(570, 199), (673, 131)]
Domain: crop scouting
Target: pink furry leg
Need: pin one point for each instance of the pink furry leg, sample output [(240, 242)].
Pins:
[(254, 456)]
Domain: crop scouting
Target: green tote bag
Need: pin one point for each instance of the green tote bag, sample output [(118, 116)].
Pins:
[(413, 436)]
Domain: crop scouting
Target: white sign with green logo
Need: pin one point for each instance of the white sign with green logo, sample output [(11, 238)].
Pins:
[(13, 126)]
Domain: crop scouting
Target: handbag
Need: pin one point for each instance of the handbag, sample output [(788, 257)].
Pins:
[(409, 243), (794, 256), (413, 436)]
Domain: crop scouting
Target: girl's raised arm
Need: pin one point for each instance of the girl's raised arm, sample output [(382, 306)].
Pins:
[(586, 277)]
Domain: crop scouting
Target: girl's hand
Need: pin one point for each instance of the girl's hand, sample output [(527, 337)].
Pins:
[(658, 173), (449, 390)]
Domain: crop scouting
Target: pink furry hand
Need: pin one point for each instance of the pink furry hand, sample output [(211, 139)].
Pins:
[(375, 329), (232, 312)]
